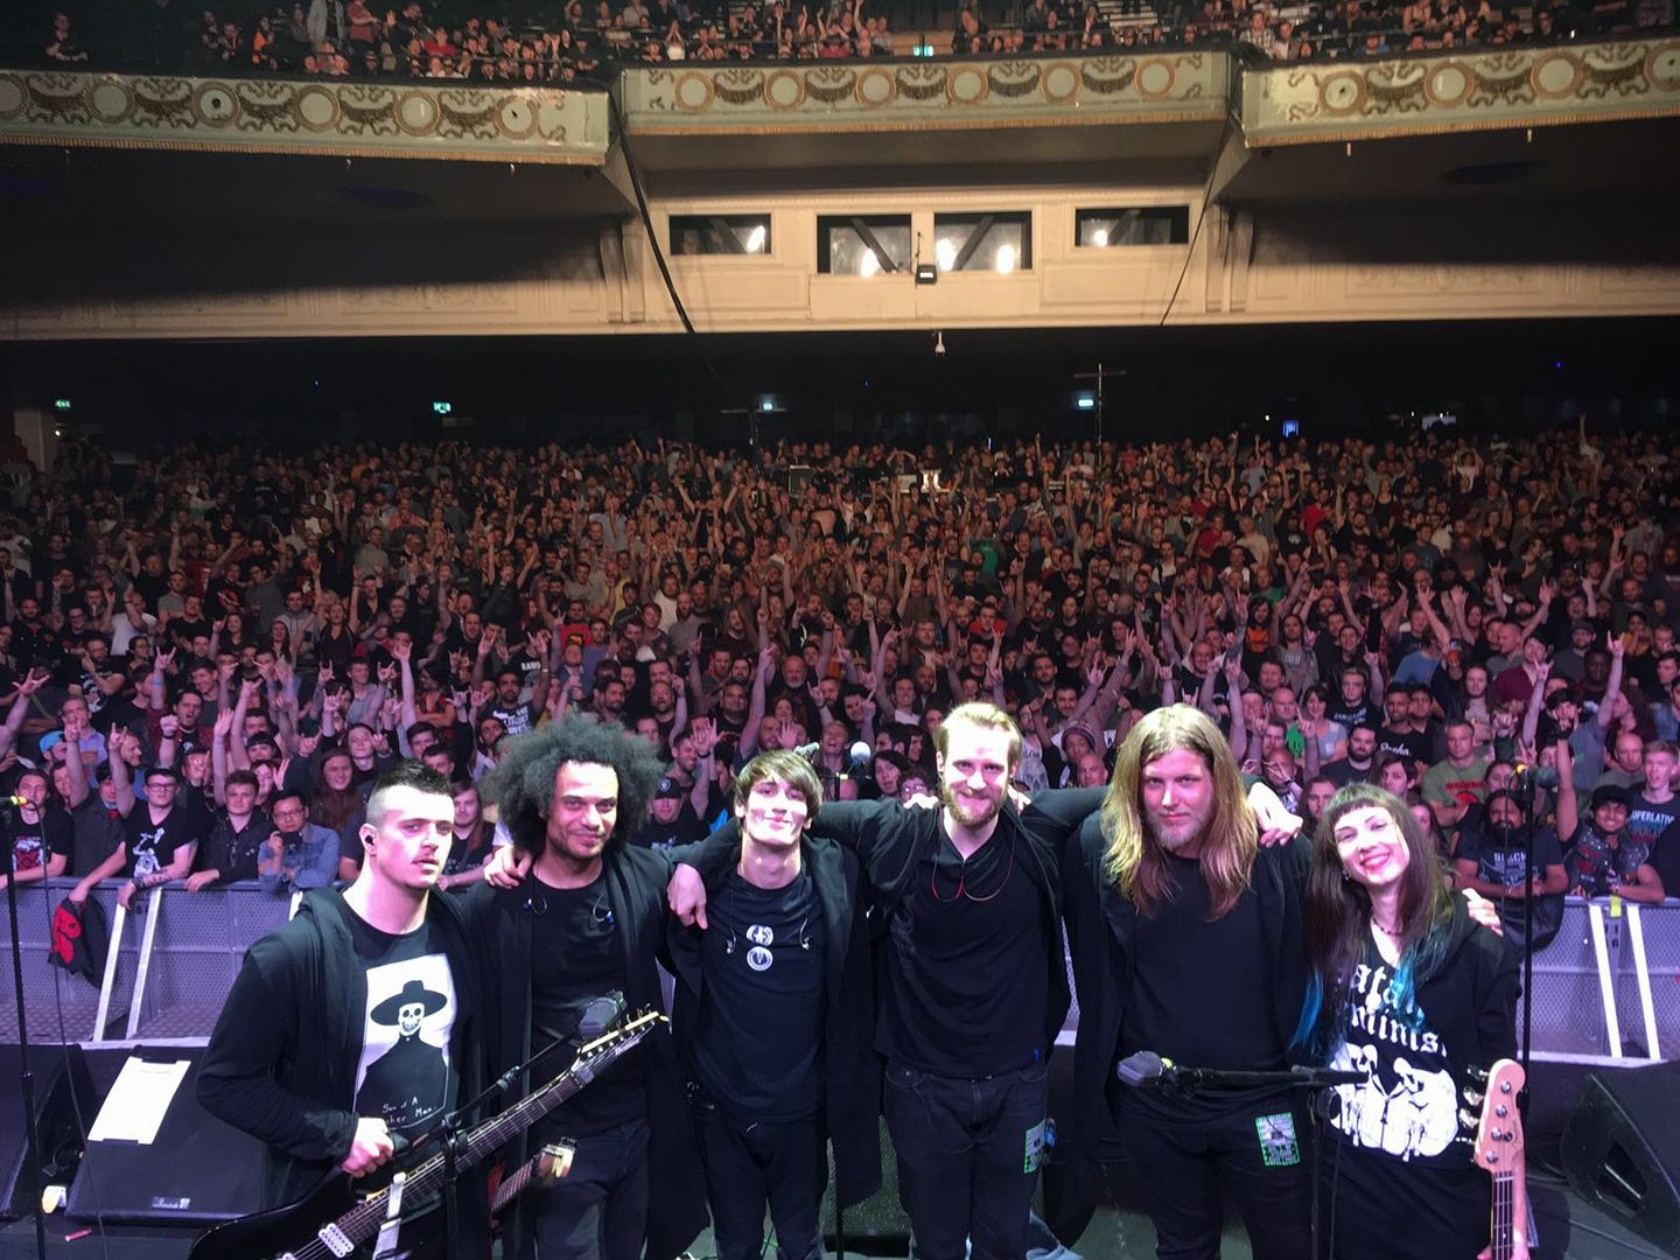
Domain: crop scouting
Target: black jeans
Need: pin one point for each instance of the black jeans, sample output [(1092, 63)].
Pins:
[(598, 1211), (1183, 1168), (968, 1155), (784, 1165)]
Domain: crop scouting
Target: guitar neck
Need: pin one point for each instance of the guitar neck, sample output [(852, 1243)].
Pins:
[(513, 1185), (1499, 1152), (362, 1222), (1505, 1221)]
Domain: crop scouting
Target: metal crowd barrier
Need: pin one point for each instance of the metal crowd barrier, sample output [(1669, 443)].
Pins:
[(172, 960), (1608, 986), (195, 944), (61, 1006)]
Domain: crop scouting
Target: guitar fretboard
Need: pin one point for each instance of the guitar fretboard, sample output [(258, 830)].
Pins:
[(1504, 1211), (362, 1222)]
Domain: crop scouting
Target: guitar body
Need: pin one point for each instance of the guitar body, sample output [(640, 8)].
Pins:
[(271, 1234), (339, 1214)]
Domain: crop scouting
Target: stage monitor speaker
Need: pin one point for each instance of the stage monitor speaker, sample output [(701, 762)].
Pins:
[(196, 1170), (1621, 1149), (61, 1085)]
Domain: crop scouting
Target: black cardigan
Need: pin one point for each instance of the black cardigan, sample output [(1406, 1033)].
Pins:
[(634, 881), (281, 1064), (1471, 999), (1101, 924), (851, 1070)]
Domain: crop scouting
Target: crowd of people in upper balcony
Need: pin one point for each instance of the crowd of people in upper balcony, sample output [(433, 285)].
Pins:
[(359, 39)]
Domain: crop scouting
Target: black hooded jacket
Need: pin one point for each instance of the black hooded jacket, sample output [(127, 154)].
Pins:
[(281, 1064)]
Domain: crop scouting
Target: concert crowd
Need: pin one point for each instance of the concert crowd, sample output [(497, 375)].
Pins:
[(580, 42), (1428, 613)]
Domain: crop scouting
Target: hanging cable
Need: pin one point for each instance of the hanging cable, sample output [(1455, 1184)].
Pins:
[(630, 166), (1201, 217)]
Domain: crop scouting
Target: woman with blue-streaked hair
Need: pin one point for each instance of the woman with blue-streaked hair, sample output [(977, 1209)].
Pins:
[(1408, 988)]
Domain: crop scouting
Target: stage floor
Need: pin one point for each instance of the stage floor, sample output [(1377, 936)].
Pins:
[(1569, 1227)]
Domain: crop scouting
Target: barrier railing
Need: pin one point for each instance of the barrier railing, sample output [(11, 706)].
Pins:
[(62, 1006), (166, 975), (198, 943), (1596, 986), (1607, 987)]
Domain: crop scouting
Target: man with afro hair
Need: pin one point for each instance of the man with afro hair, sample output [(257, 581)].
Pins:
[(588, 919)]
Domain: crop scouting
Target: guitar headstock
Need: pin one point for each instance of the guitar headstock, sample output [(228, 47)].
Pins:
[(1499, 1132), (621, 1038)]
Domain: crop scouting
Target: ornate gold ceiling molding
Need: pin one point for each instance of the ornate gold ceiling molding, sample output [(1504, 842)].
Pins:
[(732, 99), (1469, 91), (493, 123)]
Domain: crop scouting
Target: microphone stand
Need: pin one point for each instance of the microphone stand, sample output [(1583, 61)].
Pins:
[(447, 1131), (26, 1075), (1525, 787), (1188, 1080), (1315, 1082)]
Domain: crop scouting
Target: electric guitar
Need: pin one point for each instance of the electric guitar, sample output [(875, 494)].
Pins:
[(328, 1223), (1499, 1150)]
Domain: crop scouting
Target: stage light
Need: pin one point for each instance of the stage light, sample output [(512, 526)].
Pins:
[(1086, 401), (442, 408), (1005, 259), (61, 404), (871, 265), (945, 250)]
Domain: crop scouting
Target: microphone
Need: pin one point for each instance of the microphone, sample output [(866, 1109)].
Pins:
[(16, 802), (808, 751), (1144, 1070), (859, 755)]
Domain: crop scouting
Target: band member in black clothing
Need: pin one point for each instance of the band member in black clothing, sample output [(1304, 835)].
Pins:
[(774, 1021), (587, 920), (974, 988), (360, 1019), (1186, 935), (1407, 987)]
